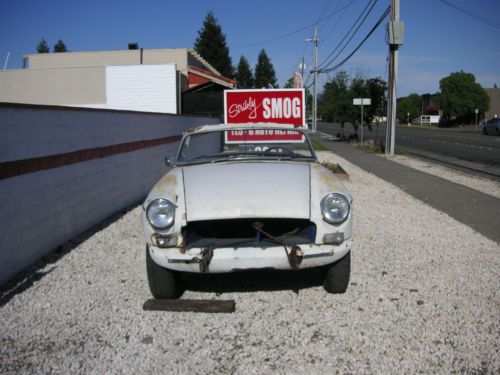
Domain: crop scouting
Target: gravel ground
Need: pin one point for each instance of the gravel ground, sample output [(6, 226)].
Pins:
[(484, 185), (423, 298)]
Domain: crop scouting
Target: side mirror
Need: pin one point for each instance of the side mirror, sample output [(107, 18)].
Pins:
[(169, 162)]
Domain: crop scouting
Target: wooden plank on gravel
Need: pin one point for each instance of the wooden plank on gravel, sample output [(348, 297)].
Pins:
[(190, 305)]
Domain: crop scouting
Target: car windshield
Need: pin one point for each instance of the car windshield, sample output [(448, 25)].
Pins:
[(245, 144)]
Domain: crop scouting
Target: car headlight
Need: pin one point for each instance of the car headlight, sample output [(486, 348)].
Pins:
[(335, 208), (161, 213)]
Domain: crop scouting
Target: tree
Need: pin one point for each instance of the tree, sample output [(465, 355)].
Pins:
[(412, 104), (244, 75), (289, 84), (42, 47), (335, 104), (460, 96), (265, 75), (60, 46), (376, 88), (358, 89), (211, 45)]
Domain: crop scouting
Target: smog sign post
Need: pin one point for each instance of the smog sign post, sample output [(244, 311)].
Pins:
[(273, 106)]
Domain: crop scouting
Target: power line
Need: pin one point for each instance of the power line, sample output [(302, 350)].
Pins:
[(385, 14), (336, 23), (296, 31), (366, 11), (325, 9), (381, 19), (473, 15)]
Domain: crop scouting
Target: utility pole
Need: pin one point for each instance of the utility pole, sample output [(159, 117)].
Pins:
[(315, 76), (396, 36), (302, 67)]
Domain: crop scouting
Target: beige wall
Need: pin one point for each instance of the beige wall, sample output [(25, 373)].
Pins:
[(106, 58), (162, 56), (82, 59), (54, 86)]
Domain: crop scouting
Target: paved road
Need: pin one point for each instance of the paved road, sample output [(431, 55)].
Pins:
[(469, 149), (468, 206)]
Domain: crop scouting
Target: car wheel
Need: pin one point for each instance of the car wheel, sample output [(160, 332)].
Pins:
[(484, 131), (163, 283), (337, 276)]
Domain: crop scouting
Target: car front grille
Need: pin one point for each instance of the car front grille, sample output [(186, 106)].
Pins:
[(243, 232)]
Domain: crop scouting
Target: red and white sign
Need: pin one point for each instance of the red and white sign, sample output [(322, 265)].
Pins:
[(273, 106), (263, 135)]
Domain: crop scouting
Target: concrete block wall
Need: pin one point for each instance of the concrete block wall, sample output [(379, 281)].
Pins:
[(63, 170)]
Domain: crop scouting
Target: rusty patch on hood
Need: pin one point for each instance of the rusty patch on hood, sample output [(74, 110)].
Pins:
[(170, 179), (168, 186), (325, 175)]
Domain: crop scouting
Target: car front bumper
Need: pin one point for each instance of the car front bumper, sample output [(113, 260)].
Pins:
[(244, 258)]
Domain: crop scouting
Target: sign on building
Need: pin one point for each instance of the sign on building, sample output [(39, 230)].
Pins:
[(274, 106)]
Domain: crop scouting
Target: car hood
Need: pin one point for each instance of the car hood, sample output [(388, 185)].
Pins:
[(247, 190)]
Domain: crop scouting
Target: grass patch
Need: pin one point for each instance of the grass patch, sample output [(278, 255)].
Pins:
[(331, 166), (318, 146), (371, 149), (400, 151), (374, 149)]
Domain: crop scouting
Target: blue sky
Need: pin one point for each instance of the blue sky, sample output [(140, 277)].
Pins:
[(438, 39)]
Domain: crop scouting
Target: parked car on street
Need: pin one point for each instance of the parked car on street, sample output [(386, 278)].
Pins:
[(492, 126), (242, 197)]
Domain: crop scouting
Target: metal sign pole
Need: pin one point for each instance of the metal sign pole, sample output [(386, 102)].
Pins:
[(361, 121), (362, 102)]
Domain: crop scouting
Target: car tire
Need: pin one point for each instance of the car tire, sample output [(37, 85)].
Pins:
[(337, 276), (485, 132), (163, 283)]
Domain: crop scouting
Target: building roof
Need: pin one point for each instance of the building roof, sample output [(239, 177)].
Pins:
[(198, 76), (196, 55)]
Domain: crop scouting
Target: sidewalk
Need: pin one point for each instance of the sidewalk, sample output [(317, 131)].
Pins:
[(468, 206)]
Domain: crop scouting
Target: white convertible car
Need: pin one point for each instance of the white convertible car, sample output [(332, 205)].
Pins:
[(246, 197)]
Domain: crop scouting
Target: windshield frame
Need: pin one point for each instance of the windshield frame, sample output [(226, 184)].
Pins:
[(248, 157)]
